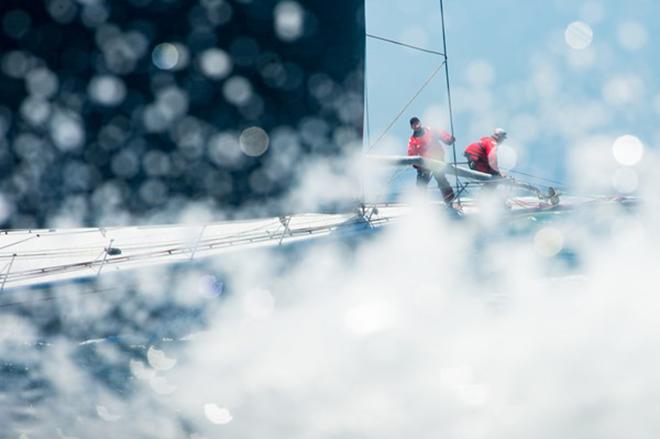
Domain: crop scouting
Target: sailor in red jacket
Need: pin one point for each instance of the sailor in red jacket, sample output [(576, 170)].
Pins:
[(427, 143), (482, 155)]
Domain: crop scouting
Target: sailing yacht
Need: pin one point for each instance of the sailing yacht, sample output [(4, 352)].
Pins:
[(38, 256)]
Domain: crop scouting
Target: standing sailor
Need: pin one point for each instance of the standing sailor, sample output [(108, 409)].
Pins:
[(425, 142), (482, 155)]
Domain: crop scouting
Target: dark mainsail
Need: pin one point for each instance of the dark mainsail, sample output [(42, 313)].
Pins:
[(111, 109)]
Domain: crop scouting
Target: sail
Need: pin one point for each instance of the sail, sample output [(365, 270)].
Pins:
[(126, 108)]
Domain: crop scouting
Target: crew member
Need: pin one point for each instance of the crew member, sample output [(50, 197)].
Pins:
[(427, 143), (482, 155)]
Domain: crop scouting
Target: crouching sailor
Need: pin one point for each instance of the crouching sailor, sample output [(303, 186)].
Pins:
[(428, 143), (482, 155)]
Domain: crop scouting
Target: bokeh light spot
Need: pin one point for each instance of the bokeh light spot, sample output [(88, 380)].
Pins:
[(237, 90), (254, 141), (107, 90), (36, 111), (94, 14), (623, 89), (161, 386), (289, 20), (165, 56), (217, 415), (154, 192), (16, 63), (578, 35), (42, 82), (548, 241), (16, 23), (106, 414), (215, 63), (158, 360), (632, 35), (140, 371), (62, 11), (67, 131), (224, 150), (125, 164), (628, 150), (507, 157)]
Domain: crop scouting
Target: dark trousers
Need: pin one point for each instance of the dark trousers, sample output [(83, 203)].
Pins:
[(424, 176), (485, 168)]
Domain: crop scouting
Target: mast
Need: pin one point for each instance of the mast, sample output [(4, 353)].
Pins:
[(451, 116)]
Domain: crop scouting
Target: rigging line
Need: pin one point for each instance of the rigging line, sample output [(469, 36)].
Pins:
[(367, 121), (18, 242), (4, 280), (558, 183), (366, 99), (405, 107), (409, 46), (395, 175), (451, 115), (199, 238), (105, 257)]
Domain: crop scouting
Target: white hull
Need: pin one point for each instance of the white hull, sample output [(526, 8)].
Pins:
[(32, 257)]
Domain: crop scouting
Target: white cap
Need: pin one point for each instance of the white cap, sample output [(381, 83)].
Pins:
[(499, 133)]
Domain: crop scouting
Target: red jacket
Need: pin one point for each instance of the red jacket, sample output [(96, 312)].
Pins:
[(428, 144), (483, 155)]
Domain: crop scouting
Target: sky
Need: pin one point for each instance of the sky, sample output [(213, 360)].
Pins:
[(558, 89)]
